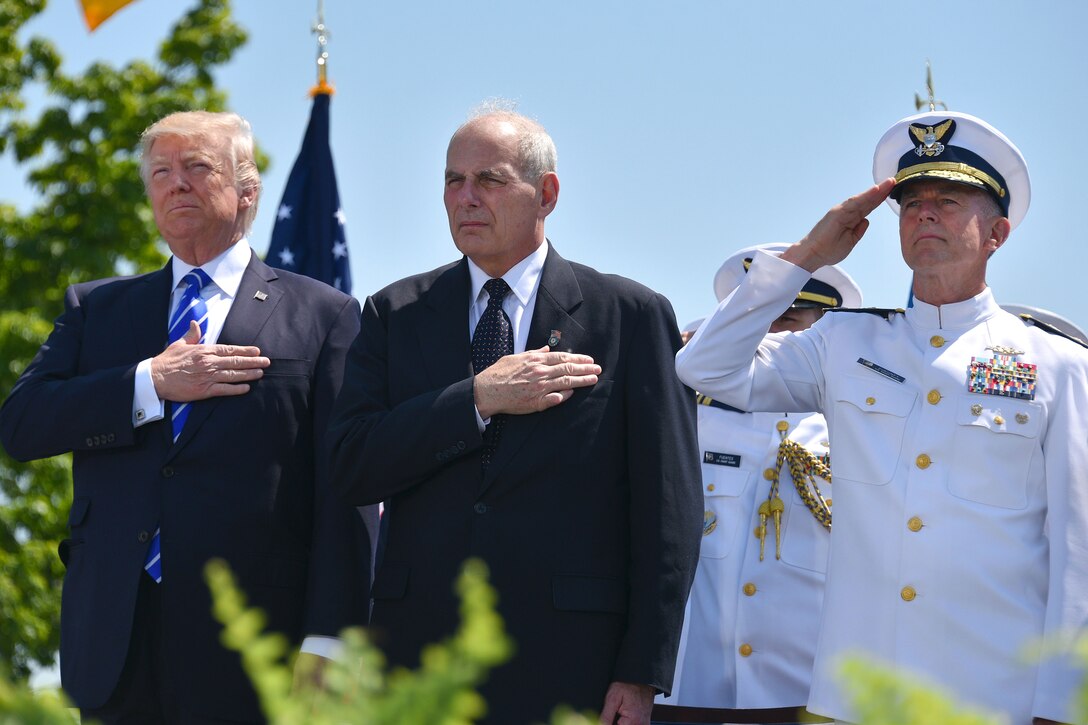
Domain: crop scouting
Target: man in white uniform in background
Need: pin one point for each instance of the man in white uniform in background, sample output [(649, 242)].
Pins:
[(754, 611), (959, 433)]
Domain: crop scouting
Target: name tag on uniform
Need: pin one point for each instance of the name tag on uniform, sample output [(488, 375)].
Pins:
[(881, 370), (721, 459)]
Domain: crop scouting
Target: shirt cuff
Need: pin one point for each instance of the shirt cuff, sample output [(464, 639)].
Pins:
[(146, 404), (328, 647), (481, 424)]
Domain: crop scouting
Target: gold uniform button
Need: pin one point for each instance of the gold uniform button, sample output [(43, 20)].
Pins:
[(745, 649), (870, 400), (783, 426), (933, 397), (923, 460), (908, 594), (710, 487), (999, 420), (914, 523), (936, 341), (749, 589), (768, 473)]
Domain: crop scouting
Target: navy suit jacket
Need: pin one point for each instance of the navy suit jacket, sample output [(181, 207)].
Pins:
[(589, 515), (247, 481)]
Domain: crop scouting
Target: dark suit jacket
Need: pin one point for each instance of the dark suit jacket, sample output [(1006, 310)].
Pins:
[(246, 481), (589, 516)]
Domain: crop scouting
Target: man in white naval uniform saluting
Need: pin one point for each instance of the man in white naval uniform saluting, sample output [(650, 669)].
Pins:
[(752, 618), (958, 431)]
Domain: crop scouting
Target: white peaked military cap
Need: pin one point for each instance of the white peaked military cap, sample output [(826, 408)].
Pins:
[(829, 286), (954, 147), (1050, 318)]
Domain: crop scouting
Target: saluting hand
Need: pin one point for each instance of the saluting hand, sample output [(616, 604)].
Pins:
[(532, 381), (834, 236), (187, 371)]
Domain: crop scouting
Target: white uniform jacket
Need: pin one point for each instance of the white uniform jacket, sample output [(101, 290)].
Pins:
[(961, 518), (750, 628)]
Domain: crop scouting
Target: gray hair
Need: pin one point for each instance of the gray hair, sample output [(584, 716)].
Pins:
[(205, 125), (536, 150), (993, 207)]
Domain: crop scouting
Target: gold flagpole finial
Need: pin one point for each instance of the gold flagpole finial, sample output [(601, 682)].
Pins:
[(932, 102), (322, 32)]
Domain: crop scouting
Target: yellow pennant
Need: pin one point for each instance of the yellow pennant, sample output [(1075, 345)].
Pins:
[(96, 12)]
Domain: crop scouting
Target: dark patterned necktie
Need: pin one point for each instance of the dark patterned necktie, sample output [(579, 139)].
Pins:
[(191, 308), (493, 338)]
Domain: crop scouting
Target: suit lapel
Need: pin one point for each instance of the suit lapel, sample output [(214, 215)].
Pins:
[(149, 314), (443, 327), (558, 296), (258, 297)]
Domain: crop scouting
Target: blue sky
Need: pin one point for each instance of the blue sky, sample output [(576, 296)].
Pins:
[(686, 129)]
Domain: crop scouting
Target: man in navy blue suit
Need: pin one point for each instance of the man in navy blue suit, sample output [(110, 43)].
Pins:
[(204, 440)]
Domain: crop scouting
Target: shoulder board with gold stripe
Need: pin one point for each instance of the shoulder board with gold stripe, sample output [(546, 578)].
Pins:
[(1047, 327), (885, 312), (707, 400)]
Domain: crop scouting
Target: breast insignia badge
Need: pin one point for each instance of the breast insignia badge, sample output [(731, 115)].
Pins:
[(710, 522)]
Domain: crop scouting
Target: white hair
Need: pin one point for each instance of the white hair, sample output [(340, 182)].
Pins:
[(536, 150)]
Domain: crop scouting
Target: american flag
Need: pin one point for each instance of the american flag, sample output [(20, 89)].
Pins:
[(308, 237)]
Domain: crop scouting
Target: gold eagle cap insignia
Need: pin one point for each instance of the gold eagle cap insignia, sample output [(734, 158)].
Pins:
[(929, 137)]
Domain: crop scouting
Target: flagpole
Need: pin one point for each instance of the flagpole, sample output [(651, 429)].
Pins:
[(308, 237), (932, 102), (322, 32)]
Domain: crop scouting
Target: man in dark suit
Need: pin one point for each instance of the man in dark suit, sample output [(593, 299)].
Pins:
[(255, 364), (569, 464)]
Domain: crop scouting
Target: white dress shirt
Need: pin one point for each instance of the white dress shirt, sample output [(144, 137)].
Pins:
[(519, 303), (226, 274)]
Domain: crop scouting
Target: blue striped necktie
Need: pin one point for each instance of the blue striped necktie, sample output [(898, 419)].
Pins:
[(190, 308)]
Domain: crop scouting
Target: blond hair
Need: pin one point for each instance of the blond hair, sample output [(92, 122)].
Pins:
[(229, 128)]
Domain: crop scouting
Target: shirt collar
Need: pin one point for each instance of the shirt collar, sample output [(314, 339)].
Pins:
[(225, 270), (523, 277), (955, 315)]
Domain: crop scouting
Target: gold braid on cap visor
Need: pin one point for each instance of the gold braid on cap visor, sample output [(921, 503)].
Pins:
[(809, 296), (822, 299), (950, 168)]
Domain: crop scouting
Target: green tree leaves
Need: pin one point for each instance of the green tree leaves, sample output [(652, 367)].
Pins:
[(78, 148)]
